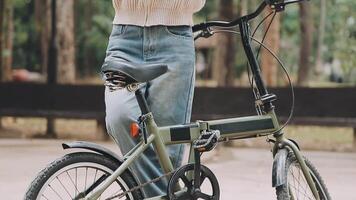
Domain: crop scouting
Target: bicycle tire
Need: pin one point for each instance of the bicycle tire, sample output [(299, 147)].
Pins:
[(284, 192), (107, 165)]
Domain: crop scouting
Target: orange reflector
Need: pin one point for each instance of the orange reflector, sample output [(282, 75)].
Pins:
[(135, 130)]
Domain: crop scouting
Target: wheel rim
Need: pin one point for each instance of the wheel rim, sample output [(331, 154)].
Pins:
[(69, 181), (298, 187)]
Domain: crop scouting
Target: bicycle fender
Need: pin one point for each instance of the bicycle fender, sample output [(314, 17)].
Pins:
[(93, 147), (279, 165), (98, 149)]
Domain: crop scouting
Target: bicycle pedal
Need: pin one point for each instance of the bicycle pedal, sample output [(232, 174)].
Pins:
[(207, 141)]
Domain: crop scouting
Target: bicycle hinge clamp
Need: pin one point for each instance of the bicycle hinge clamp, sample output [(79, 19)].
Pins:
[(266, 100), (142, 122)]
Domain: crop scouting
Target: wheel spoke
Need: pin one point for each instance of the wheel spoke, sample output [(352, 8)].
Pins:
[(86, 177), (44, 196), (204, 196), (76, 180), (301, 188), (64, 187), (75, 185), (298, 187), (96, 172), (202, 178), (185, 180), (55, 192), (305, 195), (77, 174)]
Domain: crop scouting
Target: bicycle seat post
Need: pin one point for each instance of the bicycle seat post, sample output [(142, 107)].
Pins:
[(142, 102)]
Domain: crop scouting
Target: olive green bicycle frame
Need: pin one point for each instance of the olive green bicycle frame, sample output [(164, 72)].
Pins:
[(233, 128)]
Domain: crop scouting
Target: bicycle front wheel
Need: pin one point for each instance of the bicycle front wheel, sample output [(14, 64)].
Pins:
[(73, 174), (296, 186)]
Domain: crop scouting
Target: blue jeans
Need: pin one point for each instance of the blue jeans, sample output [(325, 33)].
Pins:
[(169, 96)]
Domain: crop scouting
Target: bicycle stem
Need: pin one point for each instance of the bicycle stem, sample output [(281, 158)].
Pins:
[(246, 42)]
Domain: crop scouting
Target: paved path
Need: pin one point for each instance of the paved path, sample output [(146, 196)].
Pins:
[(242, 173)]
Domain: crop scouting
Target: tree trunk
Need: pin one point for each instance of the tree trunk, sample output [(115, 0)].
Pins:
[(43, 28), (88, 53), (306, 26), (65, 41), (269, 64), (61, 60), (321, 33), (354, 139), (2, 10), (7, 40), (52, 63), (224, 56)]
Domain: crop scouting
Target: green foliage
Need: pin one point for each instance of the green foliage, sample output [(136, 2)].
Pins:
[(25, 41), (342, 38), (94, 18), (209, 12), (92, 32), (290, 38)]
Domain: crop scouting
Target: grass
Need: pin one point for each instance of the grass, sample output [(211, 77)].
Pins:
[(323, 138)]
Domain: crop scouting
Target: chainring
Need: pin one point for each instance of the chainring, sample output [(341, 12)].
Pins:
[(181, 179)]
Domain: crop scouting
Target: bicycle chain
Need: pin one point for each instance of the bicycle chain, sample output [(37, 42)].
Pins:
[(140, 186)]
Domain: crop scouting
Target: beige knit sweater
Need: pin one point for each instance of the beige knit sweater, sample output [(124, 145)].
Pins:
[(156, 12)]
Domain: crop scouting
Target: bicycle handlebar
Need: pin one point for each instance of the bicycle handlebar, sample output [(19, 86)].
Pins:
[(275, 4)]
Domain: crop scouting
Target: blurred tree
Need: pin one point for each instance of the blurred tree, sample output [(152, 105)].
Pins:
[(268, 63), (224, 58), (43, 28), (2, 10), (7, 29), (88, 57), (61, 60), (321, 33), (65, 41), (52, 63), (342, 45), (306, 26), (93, 24)]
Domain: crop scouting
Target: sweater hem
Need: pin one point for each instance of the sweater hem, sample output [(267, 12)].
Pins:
[(154, 17)]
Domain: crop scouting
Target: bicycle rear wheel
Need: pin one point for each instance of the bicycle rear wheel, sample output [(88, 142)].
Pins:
[(75, 173), (296, 186)]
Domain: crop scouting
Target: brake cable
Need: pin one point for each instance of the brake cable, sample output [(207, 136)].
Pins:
[(284, 70)]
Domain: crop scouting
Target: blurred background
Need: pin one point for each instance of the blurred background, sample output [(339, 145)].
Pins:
[(51, 52), (315, 41)]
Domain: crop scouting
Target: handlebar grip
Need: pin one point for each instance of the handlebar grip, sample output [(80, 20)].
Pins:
[(199, 27)]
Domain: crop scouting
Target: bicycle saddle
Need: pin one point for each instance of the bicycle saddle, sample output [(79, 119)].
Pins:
[(139, 72)]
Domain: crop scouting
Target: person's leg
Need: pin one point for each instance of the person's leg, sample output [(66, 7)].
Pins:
[(121, 110), (126, 43), (170, 95)]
